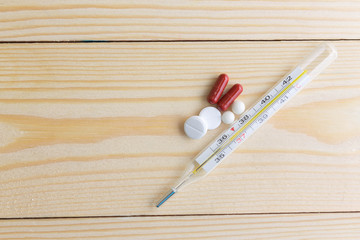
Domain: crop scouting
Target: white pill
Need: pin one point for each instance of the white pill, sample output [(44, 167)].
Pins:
[(212, 117), (228, 117), (238, 107), (195, 127)]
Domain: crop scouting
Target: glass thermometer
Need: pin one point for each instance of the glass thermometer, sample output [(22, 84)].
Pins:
[(256, 116)]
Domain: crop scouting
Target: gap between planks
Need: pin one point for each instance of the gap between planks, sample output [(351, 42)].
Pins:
[(180, 215), (188, 40)]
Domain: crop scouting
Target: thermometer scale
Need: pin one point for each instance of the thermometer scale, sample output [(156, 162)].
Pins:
[(255, 117)]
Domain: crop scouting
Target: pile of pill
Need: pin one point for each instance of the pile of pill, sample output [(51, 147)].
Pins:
[(210, 118)]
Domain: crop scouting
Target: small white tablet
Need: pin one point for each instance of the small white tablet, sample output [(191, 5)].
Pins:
[(238, 107), (228, 117)]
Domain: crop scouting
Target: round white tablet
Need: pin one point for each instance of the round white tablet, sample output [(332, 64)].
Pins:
[(228, 117), (212, 117), (195, 127), (238, 107)]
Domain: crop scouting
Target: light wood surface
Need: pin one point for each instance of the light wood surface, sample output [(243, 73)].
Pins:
[(96, 129), (254, 227), (37, 20), (91, 132)]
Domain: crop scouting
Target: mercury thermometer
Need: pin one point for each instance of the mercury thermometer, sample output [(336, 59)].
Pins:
[(255, 117)]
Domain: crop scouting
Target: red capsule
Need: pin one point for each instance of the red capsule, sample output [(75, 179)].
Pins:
[(230, 97), (218, 89)]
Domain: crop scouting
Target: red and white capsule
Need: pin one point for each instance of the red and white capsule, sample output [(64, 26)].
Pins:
[(218, 88), (230, 97)]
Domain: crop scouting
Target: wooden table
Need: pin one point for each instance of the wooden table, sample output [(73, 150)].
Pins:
[(93, 99)]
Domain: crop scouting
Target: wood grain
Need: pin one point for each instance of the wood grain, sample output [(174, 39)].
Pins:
[(253, 227), (95, 129), (36, 20)]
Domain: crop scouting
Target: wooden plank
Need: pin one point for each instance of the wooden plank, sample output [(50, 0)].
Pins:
[(96, 129), (298, 226), (36, 20)]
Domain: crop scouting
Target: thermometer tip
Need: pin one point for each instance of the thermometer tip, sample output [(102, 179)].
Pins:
[(165, 198)]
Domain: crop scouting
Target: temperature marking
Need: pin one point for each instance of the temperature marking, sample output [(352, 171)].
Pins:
[(250, 121)]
